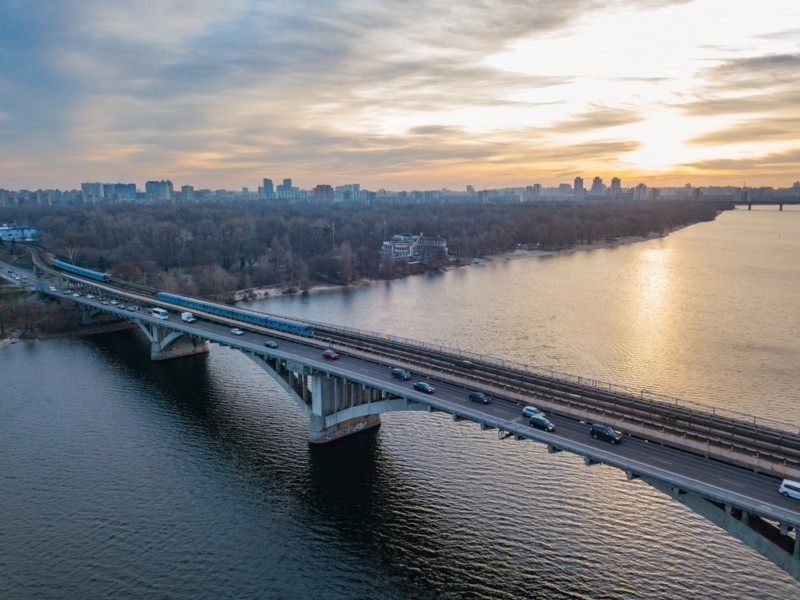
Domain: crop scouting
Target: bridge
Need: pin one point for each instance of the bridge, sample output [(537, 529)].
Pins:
[(725, 468), (778, 201)]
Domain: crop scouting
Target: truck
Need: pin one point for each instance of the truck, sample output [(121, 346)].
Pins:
[(188, 317)]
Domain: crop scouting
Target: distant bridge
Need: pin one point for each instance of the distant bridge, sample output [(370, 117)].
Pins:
[(778, 201), (725, 468)]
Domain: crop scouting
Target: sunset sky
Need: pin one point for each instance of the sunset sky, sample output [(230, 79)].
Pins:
[(399, 94)]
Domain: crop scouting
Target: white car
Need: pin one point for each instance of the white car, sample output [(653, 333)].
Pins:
[(531, 411), (237, 331)]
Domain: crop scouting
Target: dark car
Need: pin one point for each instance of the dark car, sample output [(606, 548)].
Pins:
[(271, 344), (605, 433), (424, 387), (330, 354), (401, 374), (479, 397), (541, 422)]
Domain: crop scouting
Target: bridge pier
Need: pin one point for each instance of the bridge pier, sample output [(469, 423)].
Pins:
[(167, 343), (331, 395)]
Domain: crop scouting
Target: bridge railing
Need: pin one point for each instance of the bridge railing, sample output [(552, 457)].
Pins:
[(649, 398)]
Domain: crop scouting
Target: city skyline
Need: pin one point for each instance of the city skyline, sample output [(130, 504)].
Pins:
[(425, 95)]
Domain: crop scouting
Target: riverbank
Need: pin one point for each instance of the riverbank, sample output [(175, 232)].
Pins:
[(517, 254)]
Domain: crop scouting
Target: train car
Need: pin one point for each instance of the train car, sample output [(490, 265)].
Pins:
[(104, 277), (238, 314)]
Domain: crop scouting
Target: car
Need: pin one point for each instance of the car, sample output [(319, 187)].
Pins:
[(530, 411), (605, 433), (237, 331), (132, 308), (541, 422), (114, 303), (398, 373), (790, 489), (90, 296), (53, 288), (479, 397), (330, 354), (423, 386), (76, 294), (105, 302), (271, 344)]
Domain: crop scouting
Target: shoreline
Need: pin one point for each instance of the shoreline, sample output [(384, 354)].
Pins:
[(517, 254), (276, 290)]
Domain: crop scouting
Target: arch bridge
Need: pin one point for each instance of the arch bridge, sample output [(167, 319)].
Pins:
[(723, 466)]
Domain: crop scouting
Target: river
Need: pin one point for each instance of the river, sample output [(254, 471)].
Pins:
[(193, 478)]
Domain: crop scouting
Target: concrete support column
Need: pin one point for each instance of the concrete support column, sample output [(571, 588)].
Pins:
[(167, 343), (86, 315), (328, 395)]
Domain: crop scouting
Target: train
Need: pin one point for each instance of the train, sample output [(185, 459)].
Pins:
[(88, 273), (238, 314)]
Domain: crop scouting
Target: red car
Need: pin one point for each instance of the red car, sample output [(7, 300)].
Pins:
[(330, 354)]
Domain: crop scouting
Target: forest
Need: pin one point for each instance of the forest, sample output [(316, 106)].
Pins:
[(212, 250)]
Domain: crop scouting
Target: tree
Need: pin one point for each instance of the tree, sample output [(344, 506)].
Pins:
[(346, 263)]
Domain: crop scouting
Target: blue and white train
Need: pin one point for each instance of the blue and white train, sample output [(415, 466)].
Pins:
[(104, 277), (238, 314)]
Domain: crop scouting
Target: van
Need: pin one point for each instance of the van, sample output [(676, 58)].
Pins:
[(790, 489), (187, 317), (401, 374), (159, 313)]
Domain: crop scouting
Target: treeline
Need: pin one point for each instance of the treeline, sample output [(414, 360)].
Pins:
[(213, 249)]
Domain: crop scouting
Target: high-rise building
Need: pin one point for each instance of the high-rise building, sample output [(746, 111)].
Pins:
[(268, 190), (92, 189), (187, 193), (616, 187), (597, 186), (579, 191), (323, 191), (158, 190), (119, 191)]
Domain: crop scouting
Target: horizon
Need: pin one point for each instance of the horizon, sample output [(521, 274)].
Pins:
[(793, 187), (493, 95)]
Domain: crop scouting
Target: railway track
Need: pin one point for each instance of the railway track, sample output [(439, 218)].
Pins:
[(565, 397)]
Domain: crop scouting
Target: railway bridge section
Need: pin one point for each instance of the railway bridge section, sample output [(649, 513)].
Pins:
[(724, 467)]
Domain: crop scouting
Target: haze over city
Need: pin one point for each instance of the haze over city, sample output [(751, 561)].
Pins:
[(423, 93)]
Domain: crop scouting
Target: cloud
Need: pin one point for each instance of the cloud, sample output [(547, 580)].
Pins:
[(752, 131), (776, 162), (333, 86), (602, 117)]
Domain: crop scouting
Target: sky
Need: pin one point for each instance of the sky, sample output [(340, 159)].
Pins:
[(399, 94)]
